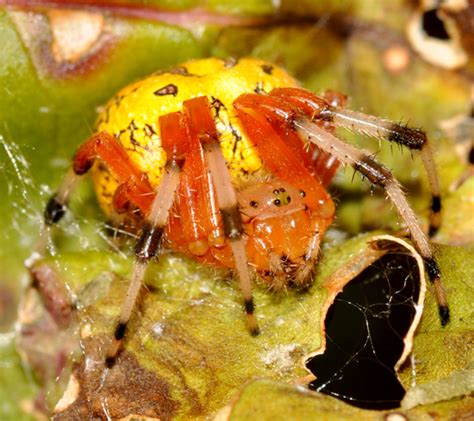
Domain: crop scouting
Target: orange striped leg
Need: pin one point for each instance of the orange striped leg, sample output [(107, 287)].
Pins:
[(277, 155), (202, 128), (294, 111), (324, 164), (101, 146), (198, 210)]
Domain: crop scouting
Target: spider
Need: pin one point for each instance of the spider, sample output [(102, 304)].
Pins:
[(169, 150)]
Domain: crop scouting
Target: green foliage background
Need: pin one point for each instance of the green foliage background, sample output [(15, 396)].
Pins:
[(44, 116)]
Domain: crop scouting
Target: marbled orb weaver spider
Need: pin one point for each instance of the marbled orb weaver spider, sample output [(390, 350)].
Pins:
[(169, 150)]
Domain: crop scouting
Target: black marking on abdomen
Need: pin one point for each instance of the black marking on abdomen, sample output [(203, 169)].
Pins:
[(267, 68), (169, 89)]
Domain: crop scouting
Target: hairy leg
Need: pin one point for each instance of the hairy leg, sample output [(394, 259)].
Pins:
[(149, 245)]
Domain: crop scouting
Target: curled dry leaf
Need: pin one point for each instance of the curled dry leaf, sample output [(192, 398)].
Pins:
[(441, 366), (379, 246)]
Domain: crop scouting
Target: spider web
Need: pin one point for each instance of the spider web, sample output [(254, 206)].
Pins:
[(22, 214), (20, 190), (364, 333)]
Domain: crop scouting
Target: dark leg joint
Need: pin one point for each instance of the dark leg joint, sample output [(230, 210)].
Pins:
[(249, 306), (373, 171), (326, 114), (411, 138), (432, 231), (81, 165), (249, 309), (150, 242), (54, 211), (435, 211), (444, 315), (110, 362), (254, 331), (434, 273), (436, 204), (432, 268), (120, 331)]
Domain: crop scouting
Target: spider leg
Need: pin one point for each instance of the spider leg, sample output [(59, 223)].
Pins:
[(101, 146), (198, 210), (149, 245), (364, 163), (376, 127), (414, 139), (56, 206), (316, 161), (321, 165), (136, 189), (202, 127)]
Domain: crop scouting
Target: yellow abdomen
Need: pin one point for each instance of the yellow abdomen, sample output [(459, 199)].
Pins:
[(132, 115)]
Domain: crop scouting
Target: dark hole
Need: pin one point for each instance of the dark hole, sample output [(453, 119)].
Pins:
[(433, 25), (364, 332)]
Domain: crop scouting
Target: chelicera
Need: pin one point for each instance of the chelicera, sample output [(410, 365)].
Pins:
[(228, 162)]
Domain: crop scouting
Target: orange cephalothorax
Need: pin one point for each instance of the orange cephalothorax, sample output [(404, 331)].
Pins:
[(283, 230)]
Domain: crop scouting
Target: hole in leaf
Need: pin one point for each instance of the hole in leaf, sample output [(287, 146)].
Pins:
[(433, 25), (365, 328)]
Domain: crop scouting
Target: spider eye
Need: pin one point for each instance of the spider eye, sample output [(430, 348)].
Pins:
[(277, 202), (253, 203), (282, 190), (302, 193), (276, 191), (288, 199)]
